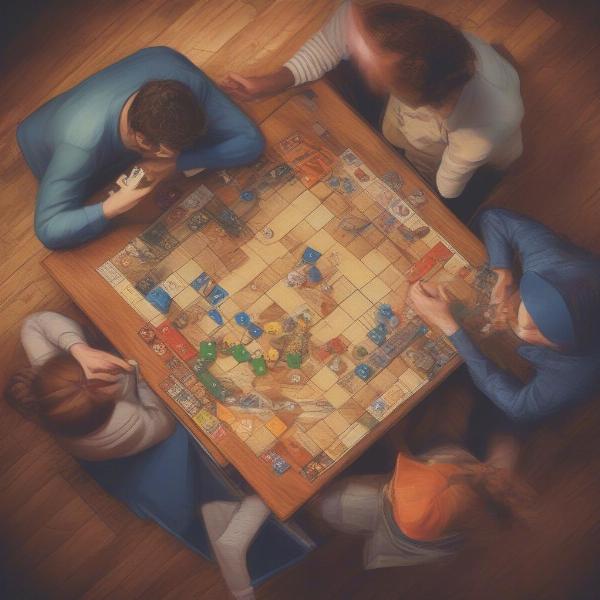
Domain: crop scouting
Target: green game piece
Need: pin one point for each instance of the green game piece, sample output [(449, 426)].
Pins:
[(294, 360), (212, 385), (259, 365), (208, 350), (240, 353)]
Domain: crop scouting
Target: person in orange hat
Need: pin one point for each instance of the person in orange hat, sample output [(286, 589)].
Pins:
[(427, 509)]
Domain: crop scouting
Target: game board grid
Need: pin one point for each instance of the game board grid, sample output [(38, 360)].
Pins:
[(308, 219)]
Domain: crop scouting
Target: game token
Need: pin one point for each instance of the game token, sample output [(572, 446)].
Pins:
[(335, 364), (215, 315), (289, 324), (385, 311), (294, 360), (160, 299), (267, 233), (314, 275), (240, 353), (334, 182), (379, 405), (201, 281), (376, 336), (259, 366), (279, 465), (160, 348), (273, 328), (217, 294), (348, 186), (208, 350), (336, 345), (247, 195), (295, 378), (363, 371), (242, 318), (212, 384), (394, 321), (310, 255), (360, 351), (272, 355), (296, 278), (254, 330), (147, 333)]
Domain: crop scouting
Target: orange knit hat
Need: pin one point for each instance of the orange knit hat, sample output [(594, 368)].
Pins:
[(424, 504)]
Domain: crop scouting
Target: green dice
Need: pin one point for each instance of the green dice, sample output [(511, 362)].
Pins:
[(294, 360), (259, 365), (240, 353), (208, 350)]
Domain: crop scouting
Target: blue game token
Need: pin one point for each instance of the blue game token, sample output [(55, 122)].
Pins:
[(376, 336), (310, 255), (216, 295), (160, 299), (385, 310), (242, 318), (363, 371), (254, 330), (247, 195), (379, 405), (394, 321), (348, 186), (200, 281), (279, 465), (215, 315), (314, 275), (334, 182)]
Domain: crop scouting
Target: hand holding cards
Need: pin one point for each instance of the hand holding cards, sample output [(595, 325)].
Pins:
[(132, 188)]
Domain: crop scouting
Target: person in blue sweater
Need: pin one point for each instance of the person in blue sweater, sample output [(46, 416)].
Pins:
[(554, 309), (154, 109)]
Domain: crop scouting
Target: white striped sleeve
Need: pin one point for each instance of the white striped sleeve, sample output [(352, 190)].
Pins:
[(323, 51)]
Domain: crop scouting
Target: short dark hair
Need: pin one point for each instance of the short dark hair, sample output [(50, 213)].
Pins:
[(167, 112), (435, 58)]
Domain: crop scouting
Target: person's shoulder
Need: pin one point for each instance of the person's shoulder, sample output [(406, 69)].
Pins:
[(164, 55)]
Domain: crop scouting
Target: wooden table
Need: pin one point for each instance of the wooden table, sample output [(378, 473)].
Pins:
[(75, 271)]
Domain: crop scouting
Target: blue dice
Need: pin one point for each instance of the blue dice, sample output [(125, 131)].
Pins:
[(242, 319), (254, 330), (363, 371), (215, 315), (310, 256), (314, 275)]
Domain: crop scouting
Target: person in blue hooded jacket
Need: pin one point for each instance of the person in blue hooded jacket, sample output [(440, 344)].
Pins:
[(154, 109), (554, 309)]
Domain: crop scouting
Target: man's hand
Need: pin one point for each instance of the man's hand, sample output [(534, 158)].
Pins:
[(248, 89), (432, 305), (98, 365), (125, 198), (159, 169), (504, 287)]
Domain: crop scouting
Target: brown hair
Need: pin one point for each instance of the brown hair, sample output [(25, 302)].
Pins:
[(167, 112), (435, 59), (503, 495), (61, 398)]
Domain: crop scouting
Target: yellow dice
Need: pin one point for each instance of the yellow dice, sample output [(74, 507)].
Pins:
[(273, 328)]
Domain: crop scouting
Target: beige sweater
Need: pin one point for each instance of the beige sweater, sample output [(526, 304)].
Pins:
[(139, 420), (484, 128)]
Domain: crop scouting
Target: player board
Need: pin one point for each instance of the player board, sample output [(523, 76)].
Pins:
[(277, 297)]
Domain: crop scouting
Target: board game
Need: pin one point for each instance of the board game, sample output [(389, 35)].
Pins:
[(276, 295)]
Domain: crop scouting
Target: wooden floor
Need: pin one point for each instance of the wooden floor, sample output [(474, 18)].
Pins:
[(62, 537)]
